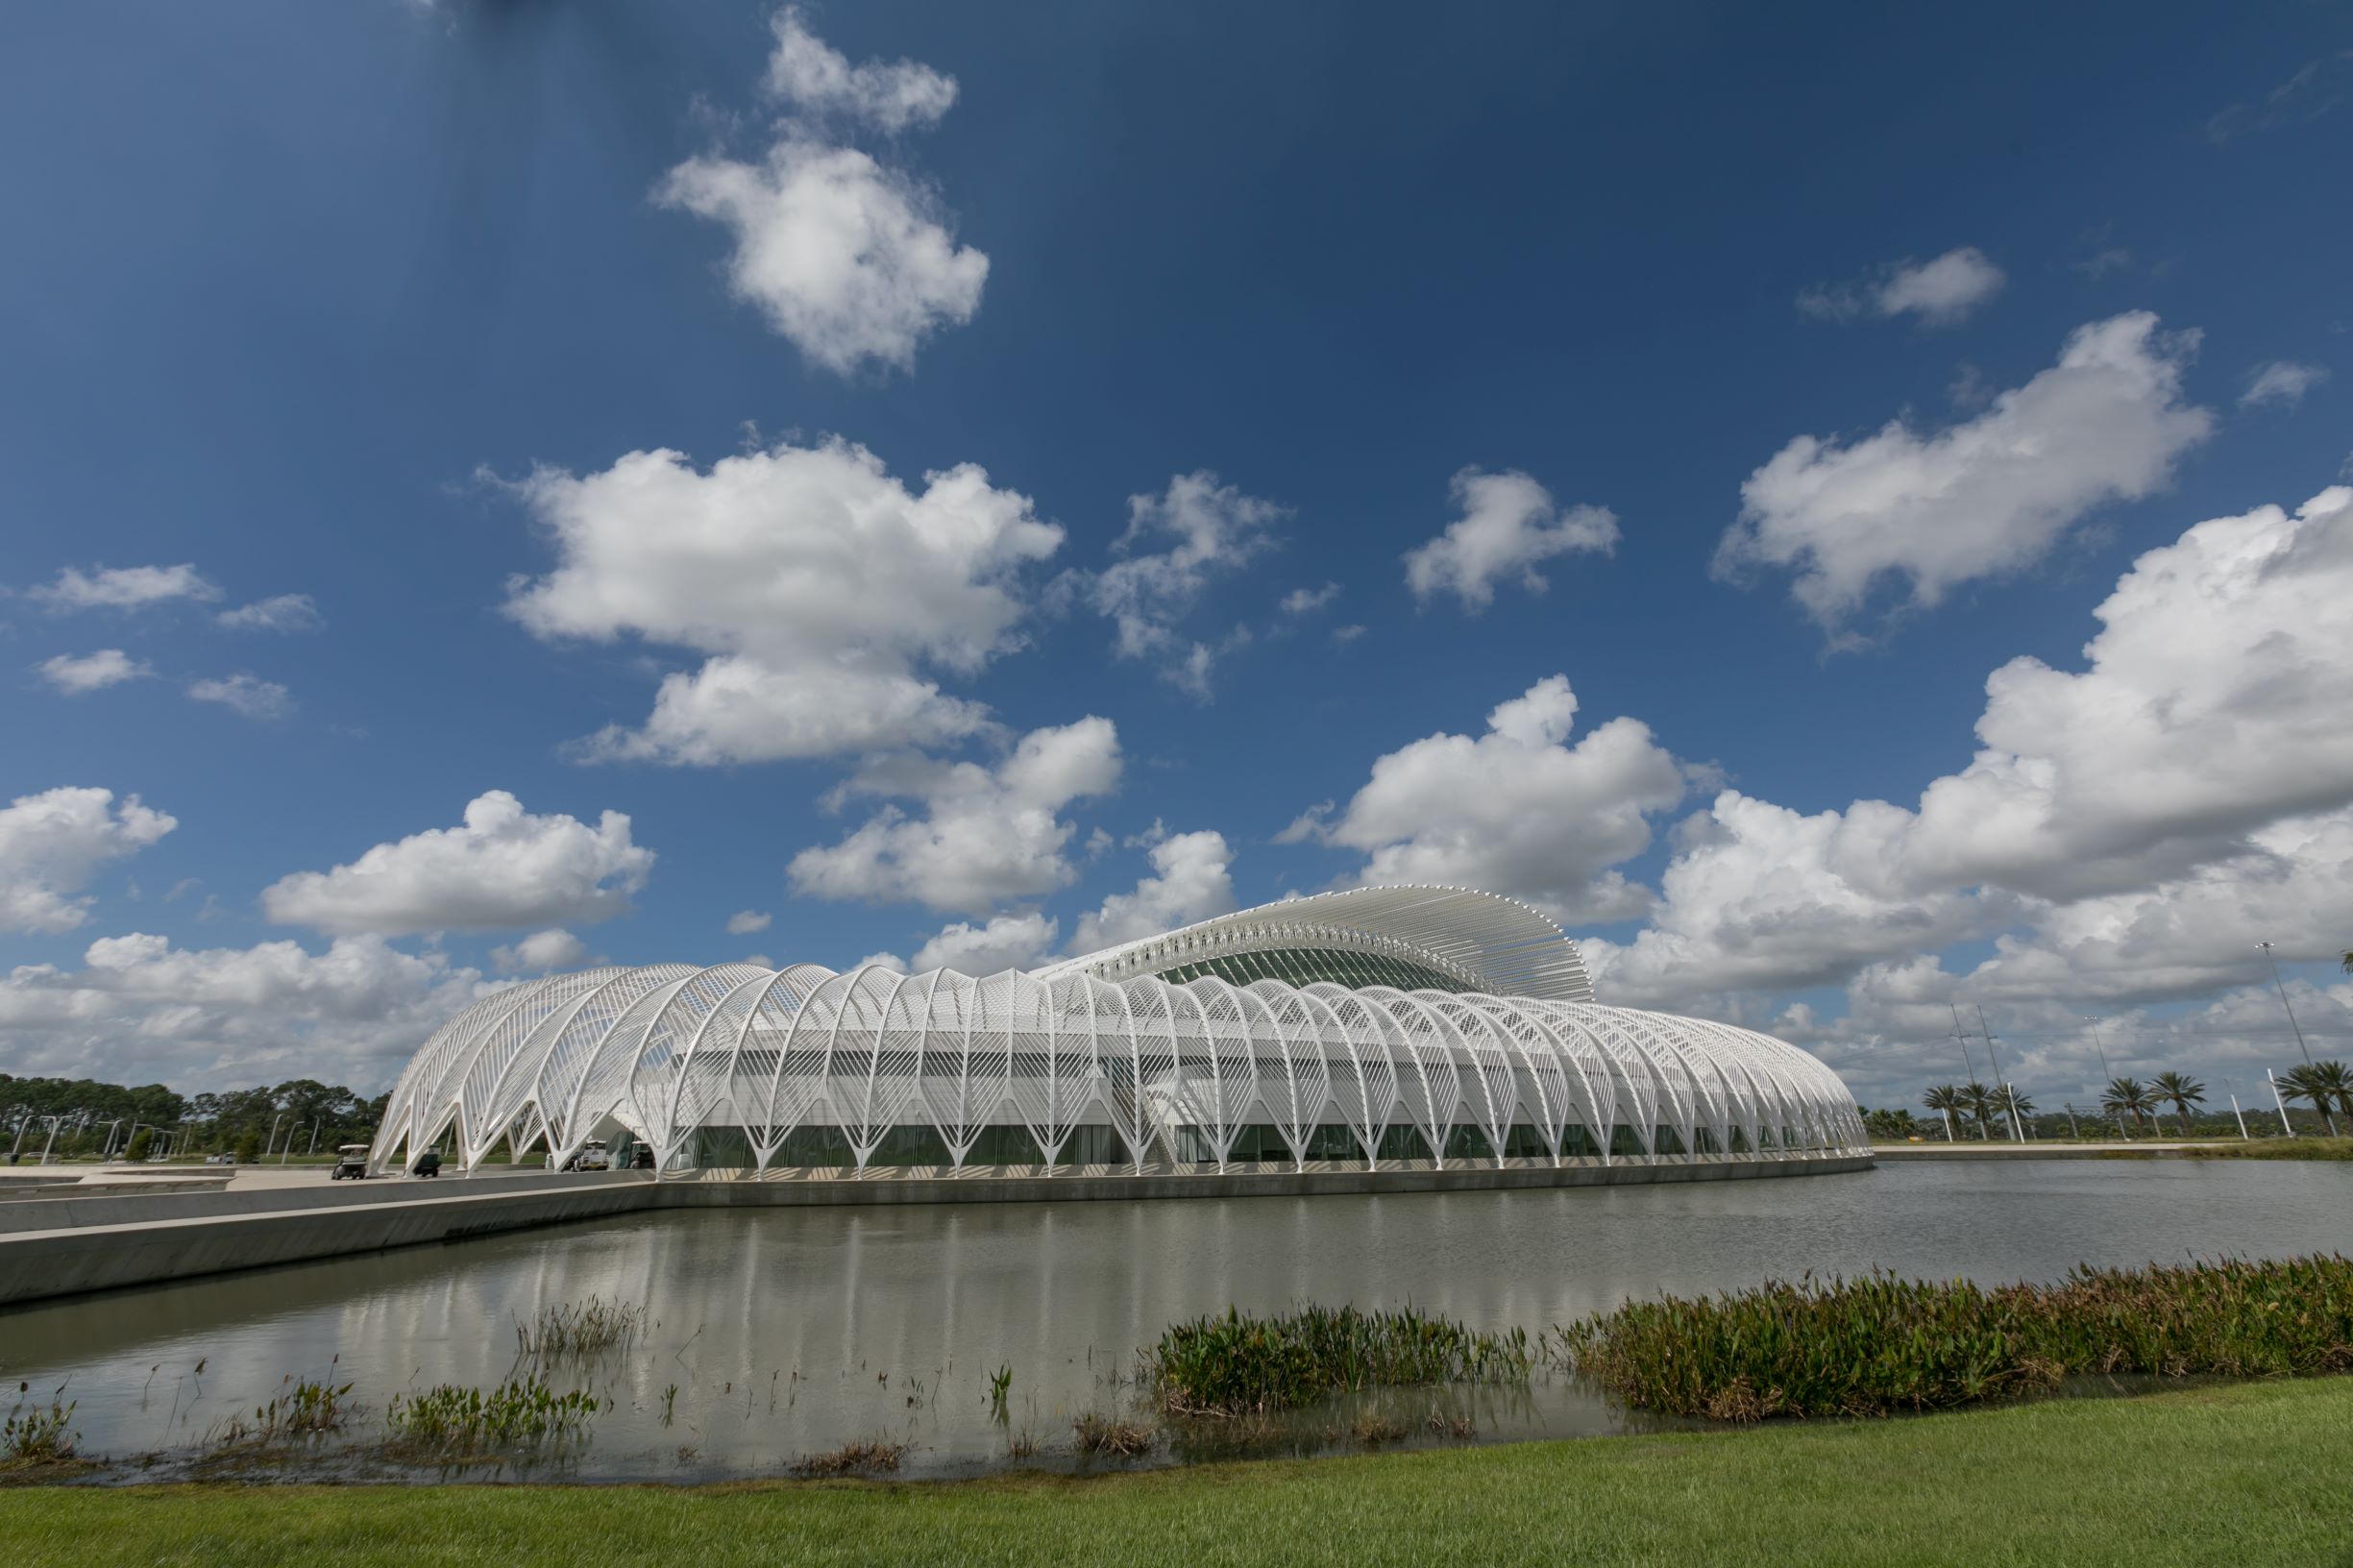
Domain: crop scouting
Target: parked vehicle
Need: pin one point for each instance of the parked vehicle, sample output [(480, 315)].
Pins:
[(594, 1155), (641, 1158), (429, 1163), (351, 1161)]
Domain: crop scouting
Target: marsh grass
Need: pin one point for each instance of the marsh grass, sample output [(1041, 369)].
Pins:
[(522, 1414), (1880, 1345), (580, 1330), (1236, 1366), (297, 1412), (871, 1457), (37, 1434), (1093, 1434)]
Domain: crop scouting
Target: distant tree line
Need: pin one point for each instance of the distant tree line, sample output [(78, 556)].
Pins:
[(1957, 1110), (92, 1114)]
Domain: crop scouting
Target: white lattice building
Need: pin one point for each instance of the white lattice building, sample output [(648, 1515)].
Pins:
[(1383, 1027)]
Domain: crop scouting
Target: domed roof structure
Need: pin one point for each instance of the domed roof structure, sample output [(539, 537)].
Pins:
[(1381, 1028)]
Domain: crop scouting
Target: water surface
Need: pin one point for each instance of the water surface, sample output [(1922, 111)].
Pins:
[(788, 1332)]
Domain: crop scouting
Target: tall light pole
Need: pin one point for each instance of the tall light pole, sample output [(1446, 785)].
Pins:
[(2106, 1077), (1969, 1069), (273, 1142), (2278, 985), (2018, 1123)]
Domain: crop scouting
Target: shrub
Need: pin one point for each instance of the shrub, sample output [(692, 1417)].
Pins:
[(1881, 1344), (1233, 1366)]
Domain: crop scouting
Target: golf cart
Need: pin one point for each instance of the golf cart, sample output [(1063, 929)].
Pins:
[(351, 1161), (429, 1163), (595, 1155)]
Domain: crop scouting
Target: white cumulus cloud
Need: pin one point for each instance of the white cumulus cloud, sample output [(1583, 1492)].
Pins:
[(985, 835), (848, 259), (1207, 529), (1018, 941), (248, 694), (1509, 522), (51, 844), (811, 76), (744, 922), (542, 950), (503, 870), (1978, 498), (1190, 882), (91, 671), (2281, 384), (1940, 291), (818, 585), (2125, 831), (123, 587), (1517, 810), (141, 1010), (280, 612)]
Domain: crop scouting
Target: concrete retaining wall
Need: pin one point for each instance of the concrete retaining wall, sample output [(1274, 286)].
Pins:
[(105, 1243)]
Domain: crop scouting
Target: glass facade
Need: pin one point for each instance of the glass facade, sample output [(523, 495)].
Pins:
[(1306, 965)]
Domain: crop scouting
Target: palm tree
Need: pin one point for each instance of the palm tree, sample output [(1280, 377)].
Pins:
[(2180, 1092), (2128, 1094), (1945, 1099), (1981, 1102), (2008, 1101), (2319, 1081), (2340, 1079)]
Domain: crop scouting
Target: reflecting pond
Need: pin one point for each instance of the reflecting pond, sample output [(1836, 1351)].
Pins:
[(775, 1334)]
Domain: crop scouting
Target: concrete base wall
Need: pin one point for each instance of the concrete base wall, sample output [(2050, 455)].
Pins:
[(101, 1243)]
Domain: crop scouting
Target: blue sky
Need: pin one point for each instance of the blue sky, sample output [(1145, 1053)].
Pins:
[(1100, 437)]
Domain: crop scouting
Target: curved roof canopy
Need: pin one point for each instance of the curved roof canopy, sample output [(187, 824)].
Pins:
[(1482, 941)]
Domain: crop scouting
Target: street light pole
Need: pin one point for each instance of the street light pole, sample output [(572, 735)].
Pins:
[(2018, 1123), (1968, 1067), (273, 1142), (2282, 988), (2285, 1125), (2107, 1077)]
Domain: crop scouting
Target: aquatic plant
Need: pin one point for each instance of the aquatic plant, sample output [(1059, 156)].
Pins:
[(1093, 1434), (1372, 1429), (38, 1435), (1236, 1364), (580, 1329), (859, 1459), (1881, 1344), (1001, 1384), (299, 1410), (520, 1413)]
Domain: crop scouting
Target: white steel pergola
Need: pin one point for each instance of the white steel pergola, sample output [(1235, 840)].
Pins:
[(1514, 1064)]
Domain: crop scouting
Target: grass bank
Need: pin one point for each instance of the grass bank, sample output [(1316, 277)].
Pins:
[(2275, 1148), (2223, 1474)]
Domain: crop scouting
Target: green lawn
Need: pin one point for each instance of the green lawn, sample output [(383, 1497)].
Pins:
[(2239, 1474)]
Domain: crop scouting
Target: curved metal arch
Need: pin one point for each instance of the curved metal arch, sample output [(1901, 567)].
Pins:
[(670, 1050)]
